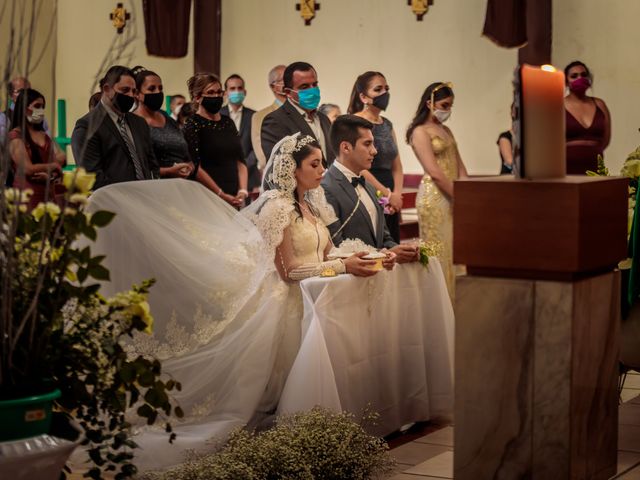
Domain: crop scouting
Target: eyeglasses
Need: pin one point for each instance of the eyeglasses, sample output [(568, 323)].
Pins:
[(440, 87)]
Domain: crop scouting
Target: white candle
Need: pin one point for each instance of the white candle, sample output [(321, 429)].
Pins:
[(543, 118)]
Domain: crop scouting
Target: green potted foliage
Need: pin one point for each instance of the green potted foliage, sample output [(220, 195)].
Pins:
[(62, 342)]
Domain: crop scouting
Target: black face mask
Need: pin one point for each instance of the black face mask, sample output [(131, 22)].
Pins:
[(212, 104), (382, 101), (153, 101), (123, 102)]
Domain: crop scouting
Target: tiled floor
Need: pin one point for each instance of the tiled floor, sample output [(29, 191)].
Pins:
[(431, 456)]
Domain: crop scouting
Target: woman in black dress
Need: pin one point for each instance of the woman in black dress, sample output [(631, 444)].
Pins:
[(214, 144), (169, 145)]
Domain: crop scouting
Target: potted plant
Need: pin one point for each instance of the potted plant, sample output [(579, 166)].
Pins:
[(61, 341)]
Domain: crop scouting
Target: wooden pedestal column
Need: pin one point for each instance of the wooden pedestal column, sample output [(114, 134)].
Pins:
[(537, 324)]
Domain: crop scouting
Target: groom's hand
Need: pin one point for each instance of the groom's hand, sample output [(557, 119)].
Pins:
[(405, 253), (390, 260), (358, 266)]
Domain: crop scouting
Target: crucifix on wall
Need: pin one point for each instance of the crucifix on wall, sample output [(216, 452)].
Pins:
[(419, 7), (119, 17), (307, 9)]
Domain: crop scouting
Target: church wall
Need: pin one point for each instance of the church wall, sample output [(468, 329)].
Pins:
[(605, 36), (85, 35), (349, 37)]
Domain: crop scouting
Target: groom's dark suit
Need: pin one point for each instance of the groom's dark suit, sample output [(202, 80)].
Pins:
[(341, 194)]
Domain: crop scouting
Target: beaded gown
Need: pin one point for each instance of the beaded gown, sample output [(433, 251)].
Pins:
[(435, 210)]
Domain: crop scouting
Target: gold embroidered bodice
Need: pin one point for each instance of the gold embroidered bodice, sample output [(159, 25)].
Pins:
[(446, 153)]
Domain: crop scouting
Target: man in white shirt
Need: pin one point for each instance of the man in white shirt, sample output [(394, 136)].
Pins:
[(353, 199), (299, 113), (276, 85), (242, 116)]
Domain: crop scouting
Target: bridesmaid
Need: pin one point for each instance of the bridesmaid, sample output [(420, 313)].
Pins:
[(588, 122), (436, 149), (369, 98)]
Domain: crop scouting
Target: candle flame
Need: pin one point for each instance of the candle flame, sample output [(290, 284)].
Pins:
[(548, 68)]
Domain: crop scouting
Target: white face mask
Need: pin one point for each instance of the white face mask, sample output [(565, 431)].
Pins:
[(37, 115), (442, 115)]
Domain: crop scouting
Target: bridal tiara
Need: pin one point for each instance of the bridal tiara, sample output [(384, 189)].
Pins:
[(304, 141)]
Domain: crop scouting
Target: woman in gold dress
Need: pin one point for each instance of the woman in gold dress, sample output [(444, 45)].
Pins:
[(436, 149)]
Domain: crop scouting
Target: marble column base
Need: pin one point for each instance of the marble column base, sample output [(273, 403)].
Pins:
[(536, 369)]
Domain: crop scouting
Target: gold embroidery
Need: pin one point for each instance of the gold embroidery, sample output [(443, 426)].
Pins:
[(435, 212)]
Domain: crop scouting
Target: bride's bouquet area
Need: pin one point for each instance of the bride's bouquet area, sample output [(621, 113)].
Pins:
[(59, 333)]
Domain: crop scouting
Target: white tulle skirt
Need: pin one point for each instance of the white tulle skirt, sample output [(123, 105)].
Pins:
[(226, 326)]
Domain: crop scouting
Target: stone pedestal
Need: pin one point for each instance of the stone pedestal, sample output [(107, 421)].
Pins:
[(537, 325), (536, 378)]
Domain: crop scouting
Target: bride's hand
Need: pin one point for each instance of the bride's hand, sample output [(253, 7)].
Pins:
[(359, 267)]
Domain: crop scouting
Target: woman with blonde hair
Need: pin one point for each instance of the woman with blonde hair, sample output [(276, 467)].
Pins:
[(214, 144)]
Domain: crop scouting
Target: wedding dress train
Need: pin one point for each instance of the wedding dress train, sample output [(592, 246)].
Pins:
[(226, 325)]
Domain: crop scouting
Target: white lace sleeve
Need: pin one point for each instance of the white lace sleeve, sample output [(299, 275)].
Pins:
[(293, 268), (324, 209)]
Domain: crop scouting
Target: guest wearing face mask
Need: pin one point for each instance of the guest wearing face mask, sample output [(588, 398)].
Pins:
[(169, 146), (175, 105), (37, 161), (276, 86), (242, 116), (588, 122), (299, 113), (110, 141), (436, 149), (214, 143), (369, 98)]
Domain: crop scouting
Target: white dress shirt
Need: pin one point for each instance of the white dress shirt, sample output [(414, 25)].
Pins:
[(236, 116), (365, 198), (314, 124)]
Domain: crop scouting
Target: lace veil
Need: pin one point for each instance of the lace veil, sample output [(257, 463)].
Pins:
[(271, 212)]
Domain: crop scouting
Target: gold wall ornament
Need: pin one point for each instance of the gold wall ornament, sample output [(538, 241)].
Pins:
[(307, 9), (419, 7), (119, 17)]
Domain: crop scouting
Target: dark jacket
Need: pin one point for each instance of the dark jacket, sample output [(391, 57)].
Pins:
[(343, 198), (247, 147), (98, 146), (286, 120)]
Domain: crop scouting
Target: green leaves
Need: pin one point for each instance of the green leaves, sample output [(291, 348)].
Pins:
[(102, 218), (74, 336)]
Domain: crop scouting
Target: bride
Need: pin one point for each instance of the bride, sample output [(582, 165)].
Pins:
[(227, 309)]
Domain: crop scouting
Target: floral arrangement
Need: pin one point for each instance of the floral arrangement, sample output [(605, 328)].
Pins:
[(423, 254), (318, 444), (57, 331), (384, 200)]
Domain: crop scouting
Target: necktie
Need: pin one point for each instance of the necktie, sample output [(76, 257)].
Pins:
[(131, 149), (355, 181)]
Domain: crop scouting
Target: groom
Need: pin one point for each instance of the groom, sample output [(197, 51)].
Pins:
[(354, 201)]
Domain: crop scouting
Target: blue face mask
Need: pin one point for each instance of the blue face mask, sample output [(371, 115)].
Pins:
[(236, 97), (309, 98)]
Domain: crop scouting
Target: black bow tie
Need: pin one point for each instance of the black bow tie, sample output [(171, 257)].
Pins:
[(355, 181)]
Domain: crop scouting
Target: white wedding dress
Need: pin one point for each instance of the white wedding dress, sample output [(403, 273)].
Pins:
[(226, 325)]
